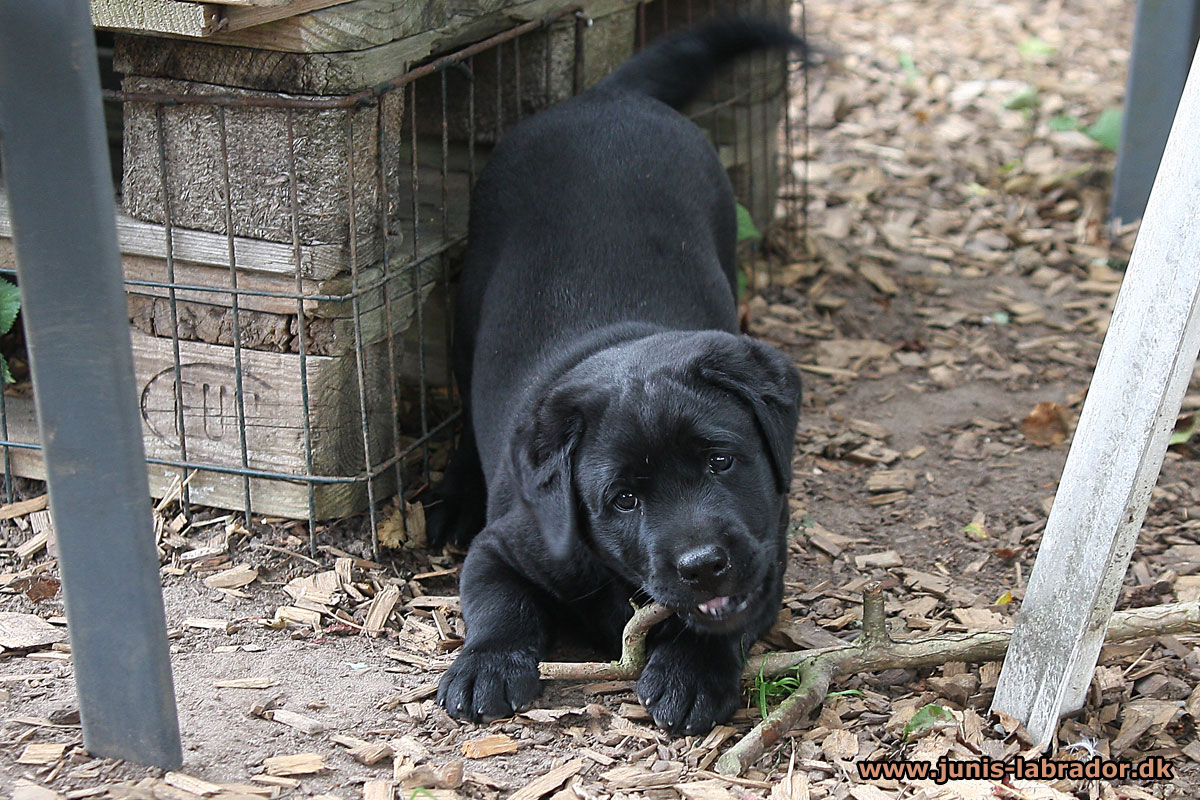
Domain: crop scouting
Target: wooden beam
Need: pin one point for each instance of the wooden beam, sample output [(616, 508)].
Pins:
[(319, 262), (1143, 371), (198, 20), (259, 3), (247, 16), (361, 24), (268, 67), (157, 16)]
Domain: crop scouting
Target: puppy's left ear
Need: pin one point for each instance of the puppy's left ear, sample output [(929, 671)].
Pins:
[(543, 458), (766, 380)]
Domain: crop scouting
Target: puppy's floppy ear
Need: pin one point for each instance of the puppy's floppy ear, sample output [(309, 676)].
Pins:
[(766, 380), (543, 455)]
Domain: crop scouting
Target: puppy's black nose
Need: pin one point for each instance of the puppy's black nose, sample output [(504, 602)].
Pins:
[(700, 567)]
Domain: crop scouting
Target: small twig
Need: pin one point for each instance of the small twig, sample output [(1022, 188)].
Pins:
[(814, 685), (874, 621), (633, 652), (286, 552)]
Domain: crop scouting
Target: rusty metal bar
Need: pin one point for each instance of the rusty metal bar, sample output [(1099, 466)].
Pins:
[(301, 330)]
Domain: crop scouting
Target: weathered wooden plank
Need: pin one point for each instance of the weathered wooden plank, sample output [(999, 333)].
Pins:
[(268, 70), (273, 406), (139, 238), (1140, 379), (259, 3), (329, 326), (247, 16), (274, 413), (347, 71), (200, 322), (154, 270), (157, 16), (361, 24), (336, 154), (193, 19)]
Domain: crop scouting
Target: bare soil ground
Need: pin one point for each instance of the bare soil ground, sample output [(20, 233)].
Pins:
[(958, 273)]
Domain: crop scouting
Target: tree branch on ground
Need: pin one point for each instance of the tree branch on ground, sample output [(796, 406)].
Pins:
[(873, 650)]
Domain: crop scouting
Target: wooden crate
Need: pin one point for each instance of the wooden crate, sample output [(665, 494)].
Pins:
[(272, 386)]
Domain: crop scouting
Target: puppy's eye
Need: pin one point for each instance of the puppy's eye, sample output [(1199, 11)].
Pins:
[(719, 462), (625, 501)]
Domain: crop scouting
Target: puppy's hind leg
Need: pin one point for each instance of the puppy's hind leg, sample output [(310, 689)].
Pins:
[(457, 507)]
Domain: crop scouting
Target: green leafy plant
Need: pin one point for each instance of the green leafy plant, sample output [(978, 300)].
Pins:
[(1063, 122), (768, 690), (925, 719), (746, 229), (10, 304), (1106, 130), (1023, 100), (1034, 49), (909, 67), (1185, 428)]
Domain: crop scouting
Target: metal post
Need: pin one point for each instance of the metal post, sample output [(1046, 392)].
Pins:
[(1164, 39), (60, 188)]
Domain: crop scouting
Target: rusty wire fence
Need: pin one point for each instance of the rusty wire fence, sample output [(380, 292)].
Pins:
[(290, 260)]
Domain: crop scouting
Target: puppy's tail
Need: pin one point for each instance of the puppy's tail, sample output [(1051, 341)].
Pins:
[(676, 68)]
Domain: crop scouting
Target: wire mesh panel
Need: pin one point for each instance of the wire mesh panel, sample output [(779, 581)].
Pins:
[(290, 258)]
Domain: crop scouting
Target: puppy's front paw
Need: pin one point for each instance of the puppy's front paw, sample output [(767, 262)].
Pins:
[(687, 691), (484, 685)]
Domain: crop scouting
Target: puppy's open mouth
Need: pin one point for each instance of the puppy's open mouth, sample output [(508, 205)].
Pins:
[(721, 608)]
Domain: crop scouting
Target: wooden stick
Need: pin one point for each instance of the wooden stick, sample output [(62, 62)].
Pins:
[(633, 652)]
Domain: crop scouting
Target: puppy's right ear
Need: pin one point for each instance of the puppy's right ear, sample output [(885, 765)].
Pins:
[(543, 455)]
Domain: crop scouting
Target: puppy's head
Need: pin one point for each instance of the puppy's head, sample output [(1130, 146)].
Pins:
[(670, 458)]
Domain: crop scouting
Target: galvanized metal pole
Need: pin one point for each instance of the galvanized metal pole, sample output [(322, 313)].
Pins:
[(56, 169), (1164, 38)]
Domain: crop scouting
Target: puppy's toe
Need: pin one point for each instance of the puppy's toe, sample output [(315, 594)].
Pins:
[(687, 698), (485, 685)]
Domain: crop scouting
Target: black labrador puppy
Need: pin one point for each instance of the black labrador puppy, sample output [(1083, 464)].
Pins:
[(623, 441)]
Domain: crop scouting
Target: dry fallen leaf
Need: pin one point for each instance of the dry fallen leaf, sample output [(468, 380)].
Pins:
[(841, 745), (1046, 425), (37, 587)]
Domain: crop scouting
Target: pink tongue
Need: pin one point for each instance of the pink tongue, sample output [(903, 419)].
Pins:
[(716, 604)]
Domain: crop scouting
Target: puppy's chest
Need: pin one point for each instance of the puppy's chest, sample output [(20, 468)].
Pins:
[(599, 617)]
